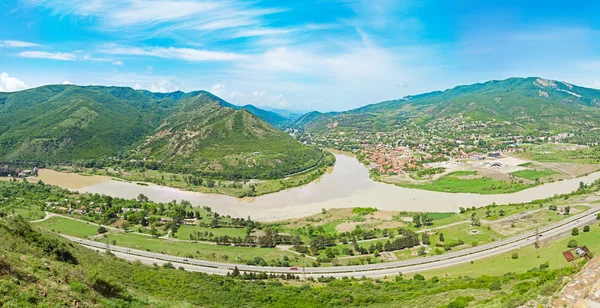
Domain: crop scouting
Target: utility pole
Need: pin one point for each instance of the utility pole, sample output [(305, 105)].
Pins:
[(537, 237)]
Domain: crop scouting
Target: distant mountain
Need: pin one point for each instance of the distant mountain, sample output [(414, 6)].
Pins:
[(273, 118), (196, 131), (531, 103)]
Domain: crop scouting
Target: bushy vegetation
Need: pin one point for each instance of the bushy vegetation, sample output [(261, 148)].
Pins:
[(30, 275)]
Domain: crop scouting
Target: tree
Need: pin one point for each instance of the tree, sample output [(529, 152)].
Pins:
[(235, 272), (586, 229), (567, 210), (153, 231), (501, 212), (102, 230), (598, 216), (417, 220), (425, 239), (142, 198), (572, 244), (376, 253), (442, 237), (575, 232)]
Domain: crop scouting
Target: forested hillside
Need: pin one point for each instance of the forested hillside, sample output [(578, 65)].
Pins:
[(528, 103), (194, 131)]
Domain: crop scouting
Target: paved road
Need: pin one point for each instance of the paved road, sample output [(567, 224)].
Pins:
[(371, 270)]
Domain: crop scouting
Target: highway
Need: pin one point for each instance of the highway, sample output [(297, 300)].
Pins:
[(370, 270)]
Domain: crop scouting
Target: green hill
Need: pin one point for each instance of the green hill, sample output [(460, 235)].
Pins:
[(529, 103), (195, 131)]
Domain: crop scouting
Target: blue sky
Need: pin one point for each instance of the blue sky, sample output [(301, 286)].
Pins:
[(303, 55)]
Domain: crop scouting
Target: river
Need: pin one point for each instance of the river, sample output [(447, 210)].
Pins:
[(347, 185)]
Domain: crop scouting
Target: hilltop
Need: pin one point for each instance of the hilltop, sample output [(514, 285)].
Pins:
[(529, 103), (194, 132)]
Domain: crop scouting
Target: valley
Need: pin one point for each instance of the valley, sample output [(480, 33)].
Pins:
[(432, 197)]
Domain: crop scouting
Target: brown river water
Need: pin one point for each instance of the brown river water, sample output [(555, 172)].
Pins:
[(347, 185)]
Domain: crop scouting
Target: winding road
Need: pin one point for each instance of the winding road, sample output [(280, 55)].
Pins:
[(371, 270)]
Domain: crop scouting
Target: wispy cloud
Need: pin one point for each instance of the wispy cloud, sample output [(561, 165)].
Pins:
[(18, 44), (48, 55), (164, 16), (188, 54)]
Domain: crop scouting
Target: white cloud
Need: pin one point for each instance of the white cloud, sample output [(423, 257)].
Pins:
[(163, 16), (257, 98), (48, 55), (163, 85), (18, 44), (10, 84), (264, 32), (188, 54), (137, 86), (119, 63), (66, 82)]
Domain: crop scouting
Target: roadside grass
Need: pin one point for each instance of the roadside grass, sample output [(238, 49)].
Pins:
[(534, 174), (452, 183), (528, 257), (199, 250), (68, 226), (183, 249), (526, 165)]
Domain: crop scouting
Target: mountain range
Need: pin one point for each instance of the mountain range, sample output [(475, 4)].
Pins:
[(195, 131), (199, 132), (531, 103)]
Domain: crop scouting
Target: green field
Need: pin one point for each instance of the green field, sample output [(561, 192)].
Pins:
[(199, 250), (184, 231), (68, 226), (453, 183), (179, 248), (534, 175), (529, 257), (29, 212), (568, 153)]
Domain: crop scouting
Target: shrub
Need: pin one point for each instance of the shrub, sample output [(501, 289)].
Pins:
[(586, 229), (515, 255), (419, 277), (495, 286), (572, 244), (575, 232)]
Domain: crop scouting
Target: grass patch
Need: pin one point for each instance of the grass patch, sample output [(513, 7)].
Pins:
[(452, 183), (529, 257), (68, 226), (533, 174)]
